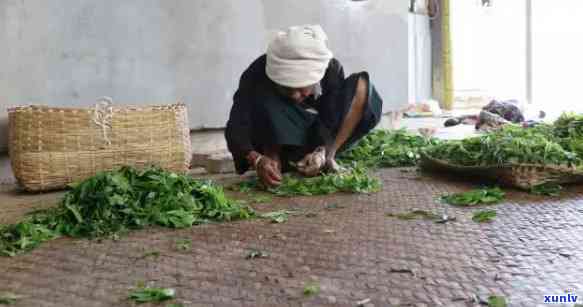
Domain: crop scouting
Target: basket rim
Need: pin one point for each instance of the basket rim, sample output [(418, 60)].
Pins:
[(115, 108), (563, 168)]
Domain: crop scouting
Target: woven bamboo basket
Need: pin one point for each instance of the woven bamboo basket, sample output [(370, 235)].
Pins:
[(52, 147), (522, 176)]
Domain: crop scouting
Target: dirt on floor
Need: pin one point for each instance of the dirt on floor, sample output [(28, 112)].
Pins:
[(344, 244)]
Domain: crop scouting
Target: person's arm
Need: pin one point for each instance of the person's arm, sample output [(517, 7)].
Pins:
[(238, 128), (238, 141)]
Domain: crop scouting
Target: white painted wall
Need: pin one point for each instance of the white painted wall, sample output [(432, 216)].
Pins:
[(557, 55), (420, 68), (68, 53), (489, 48)]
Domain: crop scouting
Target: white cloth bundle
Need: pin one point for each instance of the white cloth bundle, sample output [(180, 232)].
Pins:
[(298, 57)]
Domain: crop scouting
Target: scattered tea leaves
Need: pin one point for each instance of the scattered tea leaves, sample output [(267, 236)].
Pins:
[(26, 235), (496, 301), (484, 216), (475, 197), (547, 189), (415, 214), (311, 289), (184, 245), (147, 294), (256, 254)]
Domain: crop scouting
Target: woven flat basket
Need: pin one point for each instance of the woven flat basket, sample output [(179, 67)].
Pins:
[(52, 147), (522, 176)]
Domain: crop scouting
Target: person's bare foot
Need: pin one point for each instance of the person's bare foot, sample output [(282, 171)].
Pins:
[(312, 163)]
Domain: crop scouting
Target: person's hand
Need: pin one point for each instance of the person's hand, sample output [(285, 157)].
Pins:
[(312, 163), (269, 171), (332, 166)]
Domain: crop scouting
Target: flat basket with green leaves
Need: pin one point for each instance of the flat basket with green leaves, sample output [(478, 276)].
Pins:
[(522, 176), (514, 155)]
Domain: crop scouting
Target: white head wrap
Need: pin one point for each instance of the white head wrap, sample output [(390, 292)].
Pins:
[(298, 57)]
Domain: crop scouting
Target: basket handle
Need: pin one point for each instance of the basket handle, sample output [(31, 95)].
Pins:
[(102, 115)]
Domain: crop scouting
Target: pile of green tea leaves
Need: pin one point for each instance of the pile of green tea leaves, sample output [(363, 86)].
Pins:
[(114, 202), (380, 148), (559, 144), (386, 148), (356, 180), (475, 197)]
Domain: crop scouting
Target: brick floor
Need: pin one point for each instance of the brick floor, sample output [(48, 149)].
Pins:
[(353, 251)]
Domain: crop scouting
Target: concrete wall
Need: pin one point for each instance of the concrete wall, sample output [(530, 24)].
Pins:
[(68, 53)]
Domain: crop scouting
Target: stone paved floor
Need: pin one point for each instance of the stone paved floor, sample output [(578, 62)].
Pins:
[(352, 250)]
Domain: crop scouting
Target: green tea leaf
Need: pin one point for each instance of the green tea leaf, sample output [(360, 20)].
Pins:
[(8, 298), (277, 216), (484, 216), (147, 294), (496, 301), (311, 289), (184, 244)]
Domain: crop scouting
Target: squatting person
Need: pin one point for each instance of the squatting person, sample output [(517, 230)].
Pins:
[(294, 107)]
